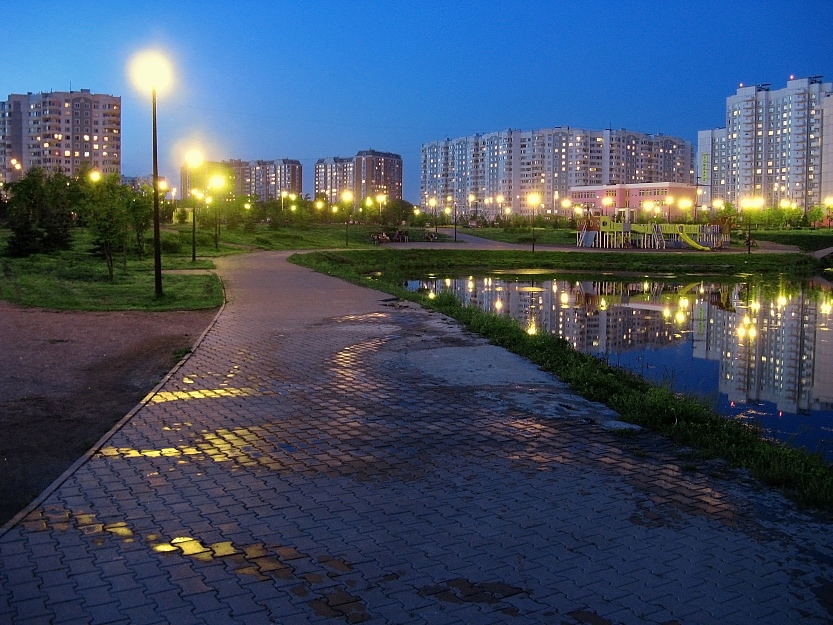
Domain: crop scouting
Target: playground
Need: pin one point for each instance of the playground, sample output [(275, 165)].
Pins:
[(605, 233)]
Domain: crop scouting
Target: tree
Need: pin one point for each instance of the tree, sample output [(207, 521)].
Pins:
[(40, 212), (140, 215), (106, 214)]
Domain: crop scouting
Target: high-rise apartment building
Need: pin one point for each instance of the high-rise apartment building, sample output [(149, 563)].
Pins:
[(368, 174), (772, 146), (333, 176), (378, 173), (262, 180), (61, 130), (496, 172)]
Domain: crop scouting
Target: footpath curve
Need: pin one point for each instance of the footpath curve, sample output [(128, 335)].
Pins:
[(328, 456)]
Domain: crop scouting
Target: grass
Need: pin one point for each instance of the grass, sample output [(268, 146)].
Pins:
[(301, 237), (806, 240), (686, 420), (392, 265), (76, 279), (544, 236)]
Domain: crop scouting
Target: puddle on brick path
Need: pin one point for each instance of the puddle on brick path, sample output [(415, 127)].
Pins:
[(758, 351)]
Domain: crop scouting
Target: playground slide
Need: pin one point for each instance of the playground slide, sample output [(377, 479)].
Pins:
[(684, 236)]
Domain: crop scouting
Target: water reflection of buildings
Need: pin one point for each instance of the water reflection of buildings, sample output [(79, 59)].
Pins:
[(776, 350)]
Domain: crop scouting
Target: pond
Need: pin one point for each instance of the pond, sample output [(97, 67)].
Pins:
[(757, 351)]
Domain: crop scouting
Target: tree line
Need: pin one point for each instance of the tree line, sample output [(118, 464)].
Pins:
[(43, 208)]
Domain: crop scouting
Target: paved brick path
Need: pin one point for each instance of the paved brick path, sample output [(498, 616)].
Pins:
[(306, 466)]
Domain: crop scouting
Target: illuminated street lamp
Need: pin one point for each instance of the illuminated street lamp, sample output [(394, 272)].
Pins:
[(607, 202), (828, 205), (499, 199), (747, 204), (194, 159), (380, 200), (151, 71), (216, 182), (347, 198), (685, 205), (432, 202), (533, 200), (451, 201), (471, 198)]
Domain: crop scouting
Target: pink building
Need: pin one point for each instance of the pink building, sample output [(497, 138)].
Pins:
[(672, 201)]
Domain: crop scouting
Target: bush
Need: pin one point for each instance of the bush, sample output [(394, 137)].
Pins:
[(169, 242)]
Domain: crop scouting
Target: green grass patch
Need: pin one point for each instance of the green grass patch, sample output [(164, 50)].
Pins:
[(806, 240), (686, 420), (395, 265), (77, 279), (523, 235)]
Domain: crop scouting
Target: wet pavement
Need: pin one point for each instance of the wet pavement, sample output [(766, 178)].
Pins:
[(329, 456)]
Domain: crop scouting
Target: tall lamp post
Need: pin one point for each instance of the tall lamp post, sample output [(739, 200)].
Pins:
[(747, 204), (150, 70), (347, 198), (450, 200), (194, 159), (381, 199), (432, 202), (533, 200)]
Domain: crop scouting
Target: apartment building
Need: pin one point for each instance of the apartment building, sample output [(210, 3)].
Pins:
[(333, 176), (368, 174), (494, 173), (60, 130), (772, 146), (261, 180)]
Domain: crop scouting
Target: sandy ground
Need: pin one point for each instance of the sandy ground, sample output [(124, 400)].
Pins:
[(67, 377)]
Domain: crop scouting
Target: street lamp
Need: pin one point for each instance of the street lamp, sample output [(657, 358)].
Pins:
[(194, 159), (451, 201), (347, 198), (216, 182), (607, 202), (747, 204), (471, 198), (533, 200), (432, 202), (685, 205), (380, 200), (150, 70), (828, 205)]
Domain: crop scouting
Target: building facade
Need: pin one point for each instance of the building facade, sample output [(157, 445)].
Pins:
[(63, 130), (260, 180), (491, 174), (378, 173), (771, 147), (333, 176), (366, 175)]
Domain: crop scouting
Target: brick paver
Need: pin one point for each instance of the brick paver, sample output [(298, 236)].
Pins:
[(303, 467)]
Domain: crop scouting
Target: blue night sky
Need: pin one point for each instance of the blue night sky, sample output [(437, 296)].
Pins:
[(305, 80)]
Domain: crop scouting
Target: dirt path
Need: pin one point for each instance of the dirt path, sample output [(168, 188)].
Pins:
[(67, 377)]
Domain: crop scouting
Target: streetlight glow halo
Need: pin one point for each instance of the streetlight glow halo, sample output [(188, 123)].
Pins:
[(151, 70)]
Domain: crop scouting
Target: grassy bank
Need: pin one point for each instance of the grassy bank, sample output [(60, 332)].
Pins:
[(686, 420), (392, 265)]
